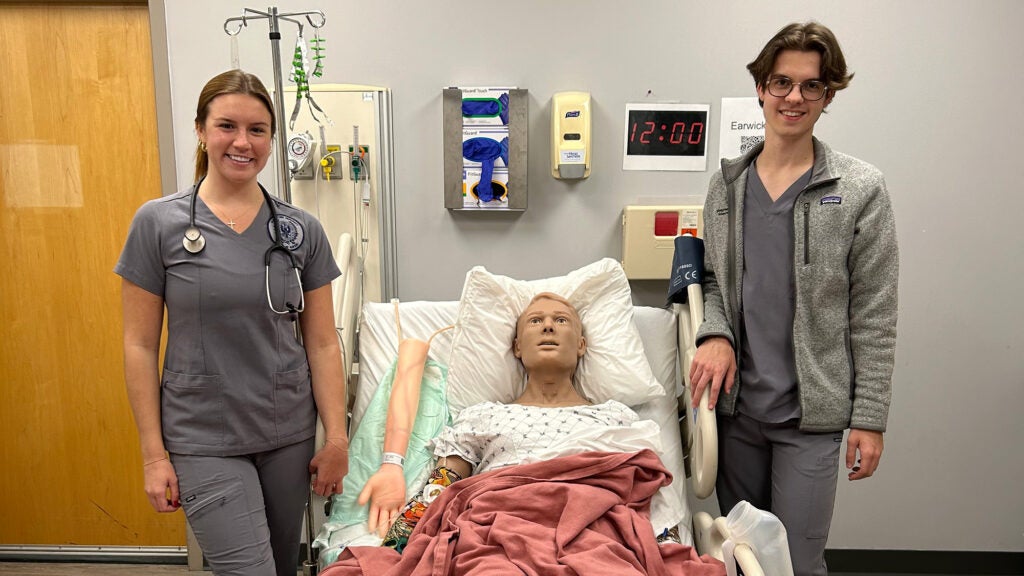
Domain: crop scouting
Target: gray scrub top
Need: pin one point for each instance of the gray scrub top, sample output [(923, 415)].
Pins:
[(235, 379), (767, 361)]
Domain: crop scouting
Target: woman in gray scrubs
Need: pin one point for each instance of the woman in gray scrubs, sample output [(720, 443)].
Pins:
[(226, 428)]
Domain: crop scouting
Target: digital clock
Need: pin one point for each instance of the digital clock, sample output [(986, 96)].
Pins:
[(665, 136)]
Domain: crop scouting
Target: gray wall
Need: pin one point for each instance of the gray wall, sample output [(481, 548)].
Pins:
[(936, 104)]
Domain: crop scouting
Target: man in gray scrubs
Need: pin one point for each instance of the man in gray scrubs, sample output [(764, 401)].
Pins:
[(800, 302)]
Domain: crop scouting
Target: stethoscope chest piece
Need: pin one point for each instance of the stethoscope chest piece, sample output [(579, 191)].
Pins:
[(193, 240)]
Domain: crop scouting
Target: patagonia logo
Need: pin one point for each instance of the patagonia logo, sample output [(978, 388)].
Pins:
[(722, 211), (831, 200)]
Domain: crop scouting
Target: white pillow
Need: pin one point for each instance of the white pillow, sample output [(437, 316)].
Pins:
[(482, 367)]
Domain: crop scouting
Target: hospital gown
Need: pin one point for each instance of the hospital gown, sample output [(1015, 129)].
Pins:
[(491, 435)]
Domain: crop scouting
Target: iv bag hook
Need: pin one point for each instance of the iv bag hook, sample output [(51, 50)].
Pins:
[(273, 17)]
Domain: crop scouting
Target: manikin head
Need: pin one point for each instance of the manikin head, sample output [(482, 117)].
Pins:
[(549, 335)]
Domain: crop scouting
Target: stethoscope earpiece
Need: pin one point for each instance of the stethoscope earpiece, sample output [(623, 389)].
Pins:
[(193, 240)]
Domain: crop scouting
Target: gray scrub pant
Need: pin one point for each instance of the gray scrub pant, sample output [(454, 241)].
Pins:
[(792, 474), (246, 511)]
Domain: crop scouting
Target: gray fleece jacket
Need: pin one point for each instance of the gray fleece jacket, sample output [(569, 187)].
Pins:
[(846, 267)]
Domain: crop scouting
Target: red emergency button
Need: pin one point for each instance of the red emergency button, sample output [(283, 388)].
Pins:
[(666, 223)]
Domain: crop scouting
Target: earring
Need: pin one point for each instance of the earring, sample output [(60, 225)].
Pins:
[(202, 145)]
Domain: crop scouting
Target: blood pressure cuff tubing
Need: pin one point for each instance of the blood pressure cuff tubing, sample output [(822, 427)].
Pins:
[(687, 267)]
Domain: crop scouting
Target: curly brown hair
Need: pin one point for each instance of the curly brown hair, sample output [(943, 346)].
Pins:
[(805, 37)]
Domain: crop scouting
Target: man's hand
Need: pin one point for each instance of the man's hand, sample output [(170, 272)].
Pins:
[(713, 365), (869, 444)]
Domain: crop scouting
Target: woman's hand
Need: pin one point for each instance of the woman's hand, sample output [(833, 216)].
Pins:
[(162, 485), (329, 467), (385, 491)]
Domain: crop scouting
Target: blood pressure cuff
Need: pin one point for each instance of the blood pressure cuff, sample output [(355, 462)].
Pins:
[(485, 151), (687, 267)]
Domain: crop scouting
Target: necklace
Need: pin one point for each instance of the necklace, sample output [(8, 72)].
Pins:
[(228, 219)]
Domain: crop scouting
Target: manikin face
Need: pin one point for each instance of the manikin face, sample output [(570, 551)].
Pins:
[(549, 334), (792, 117), (238, 137)]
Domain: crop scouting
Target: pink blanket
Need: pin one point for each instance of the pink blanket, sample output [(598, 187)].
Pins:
[(584, 514)]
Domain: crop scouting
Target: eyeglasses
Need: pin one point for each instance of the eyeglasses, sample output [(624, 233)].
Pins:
[(781, 86)]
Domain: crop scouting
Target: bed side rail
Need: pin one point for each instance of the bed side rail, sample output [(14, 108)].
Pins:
[(700, 430)]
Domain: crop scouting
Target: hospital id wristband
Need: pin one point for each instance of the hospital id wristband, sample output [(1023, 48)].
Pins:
[(393, 458)]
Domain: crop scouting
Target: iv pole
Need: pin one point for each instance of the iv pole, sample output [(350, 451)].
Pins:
[(283, 183), (310, 564)]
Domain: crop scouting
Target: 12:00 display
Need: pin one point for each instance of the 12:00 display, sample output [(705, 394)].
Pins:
[(666, 133)]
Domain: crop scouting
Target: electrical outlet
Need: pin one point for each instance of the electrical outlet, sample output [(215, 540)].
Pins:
[(355, 171), (331, 162)]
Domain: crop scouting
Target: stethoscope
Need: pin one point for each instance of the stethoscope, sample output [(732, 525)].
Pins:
[(194, 244)]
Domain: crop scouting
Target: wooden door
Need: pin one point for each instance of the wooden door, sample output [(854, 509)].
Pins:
[(78, 155)]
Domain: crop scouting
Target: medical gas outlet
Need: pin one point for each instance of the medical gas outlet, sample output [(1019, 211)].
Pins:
[(570, 135), (359, 163), (329, 162)]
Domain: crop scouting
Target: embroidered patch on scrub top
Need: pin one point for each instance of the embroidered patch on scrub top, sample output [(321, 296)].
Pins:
[(831, 200), (291, 231)]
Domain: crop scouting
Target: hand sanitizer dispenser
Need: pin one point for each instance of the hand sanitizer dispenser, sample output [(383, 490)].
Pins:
[(570, 135)]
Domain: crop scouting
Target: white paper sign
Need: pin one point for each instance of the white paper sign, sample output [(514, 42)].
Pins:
[(742, 126)]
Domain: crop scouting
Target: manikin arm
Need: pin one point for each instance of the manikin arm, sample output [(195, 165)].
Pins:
[(442, 477), (385, 490)]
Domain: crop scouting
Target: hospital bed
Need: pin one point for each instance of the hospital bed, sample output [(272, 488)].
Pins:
[(667, 338)]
